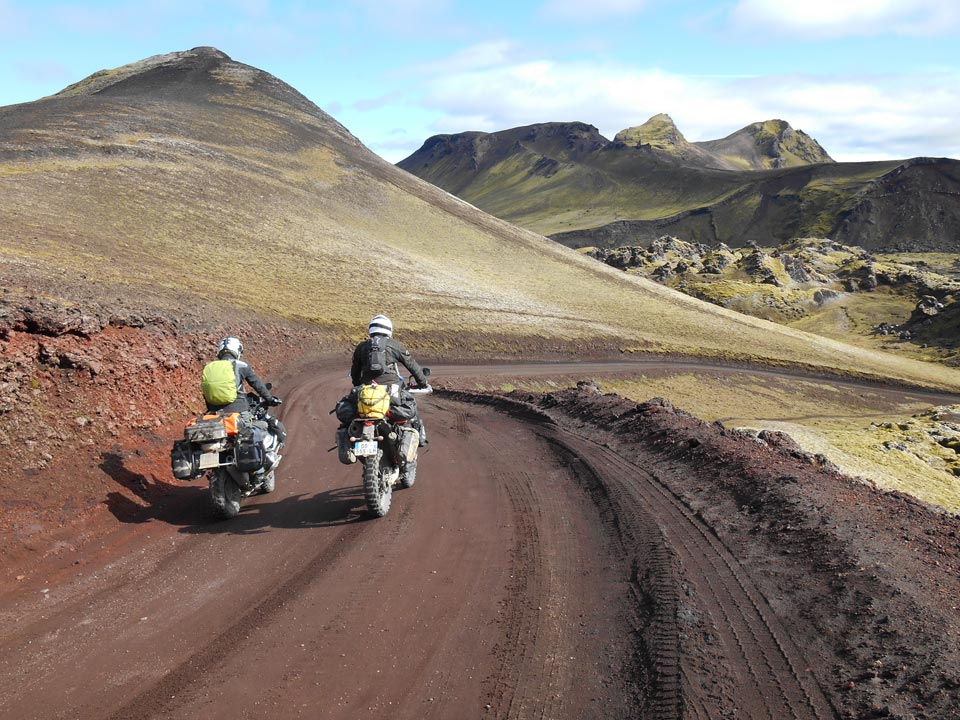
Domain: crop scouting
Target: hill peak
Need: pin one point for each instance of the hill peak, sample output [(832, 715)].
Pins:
[(770, 144), (659, 132), (173, 65), (202, 76)]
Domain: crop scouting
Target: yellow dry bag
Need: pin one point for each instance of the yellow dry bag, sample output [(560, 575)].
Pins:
[(373, 402)]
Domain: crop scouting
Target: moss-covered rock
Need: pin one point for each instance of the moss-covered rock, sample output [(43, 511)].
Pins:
[(809, 276)]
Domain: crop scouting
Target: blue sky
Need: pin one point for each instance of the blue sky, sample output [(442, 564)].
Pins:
[(869, 79)]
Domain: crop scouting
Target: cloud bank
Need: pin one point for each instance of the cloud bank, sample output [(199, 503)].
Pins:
[(854, 117)]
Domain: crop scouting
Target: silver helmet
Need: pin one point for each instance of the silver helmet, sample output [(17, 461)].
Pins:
[(381, 325), (230, 345)]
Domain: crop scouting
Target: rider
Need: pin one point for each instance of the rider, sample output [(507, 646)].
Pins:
[(230, 349), (396, 352)]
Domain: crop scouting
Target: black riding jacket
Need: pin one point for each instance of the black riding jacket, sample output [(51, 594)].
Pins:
[(397, 354)]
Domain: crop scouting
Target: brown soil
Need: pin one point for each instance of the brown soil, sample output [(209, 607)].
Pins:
[(570, 555)]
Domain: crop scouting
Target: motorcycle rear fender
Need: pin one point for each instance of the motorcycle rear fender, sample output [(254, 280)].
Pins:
[(241, 478), (365, 429)]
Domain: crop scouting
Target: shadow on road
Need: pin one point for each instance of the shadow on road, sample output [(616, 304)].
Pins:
[(189, 507), (338, 506), (161, 501)]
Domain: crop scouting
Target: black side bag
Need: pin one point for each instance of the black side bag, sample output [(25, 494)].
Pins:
[(249, 449), (184, 463), (277, 428), (346, 409), (403, 406)]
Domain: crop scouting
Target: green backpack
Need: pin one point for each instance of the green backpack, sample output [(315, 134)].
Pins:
[(219, 382)]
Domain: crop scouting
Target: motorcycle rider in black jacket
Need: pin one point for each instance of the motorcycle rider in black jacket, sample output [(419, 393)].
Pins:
[(396, 354)]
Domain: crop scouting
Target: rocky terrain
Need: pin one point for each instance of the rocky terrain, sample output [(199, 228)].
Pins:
[(91, 393), (800, 279)]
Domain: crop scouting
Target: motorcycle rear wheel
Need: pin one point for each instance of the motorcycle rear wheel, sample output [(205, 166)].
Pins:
[(376, 490), (225, 495)]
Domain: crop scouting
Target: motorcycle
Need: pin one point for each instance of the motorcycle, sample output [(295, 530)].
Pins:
[(381, 436), (238, 454)]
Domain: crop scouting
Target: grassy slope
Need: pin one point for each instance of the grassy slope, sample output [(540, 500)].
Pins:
[(189, 193)]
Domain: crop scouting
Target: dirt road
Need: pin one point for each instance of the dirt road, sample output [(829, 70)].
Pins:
[(534, 571)]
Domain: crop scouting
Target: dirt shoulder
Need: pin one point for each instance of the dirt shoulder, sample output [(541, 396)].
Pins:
[(92, 395), (866, 582)]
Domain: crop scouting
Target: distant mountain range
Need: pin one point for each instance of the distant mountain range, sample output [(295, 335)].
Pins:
[(764, 184)]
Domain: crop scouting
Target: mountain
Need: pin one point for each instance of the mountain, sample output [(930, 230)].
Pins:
[(188, 187), (760, 146), (766, 183)]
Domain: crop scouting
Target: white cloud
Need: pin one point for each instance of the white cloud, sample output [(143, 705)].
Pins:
[(482, 55), (597, 10), (851, 117), (841, 18), (368, 104)]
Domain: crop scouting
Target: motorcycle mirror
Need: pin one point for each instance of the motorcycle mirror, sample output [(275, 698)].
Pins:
[(269, 386), (426, 372)]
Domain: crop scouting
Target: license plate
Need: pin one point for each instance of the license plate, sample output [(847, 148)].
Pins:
[(209, 460), (365, 447)]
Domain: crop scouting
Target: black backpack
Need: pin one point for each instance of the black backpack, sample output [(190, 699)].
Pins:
[(376, 356)]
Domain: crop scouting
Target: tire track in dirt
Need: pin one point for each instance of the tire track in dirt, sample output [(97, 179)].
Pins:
[(557, 540), (187, 680), (640, 546), (530, 574), (763, 663), (188, 673)]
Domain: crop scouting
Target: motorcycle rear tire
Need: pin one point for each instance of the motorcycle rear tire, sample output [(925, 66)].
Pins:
[(409, 475), (376, 491), (225, 495)]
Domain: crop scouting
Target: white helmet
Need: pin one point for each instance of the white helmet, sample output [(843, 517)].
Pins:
[(230, 345), (381, 325)]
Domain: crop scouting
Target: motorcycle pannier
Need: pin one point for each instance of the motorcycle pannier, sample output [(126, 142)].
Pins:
[(210, 428), (373, 402), (346, 407), (184, 463), (409, 444), (345, 447), (249, 449)]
